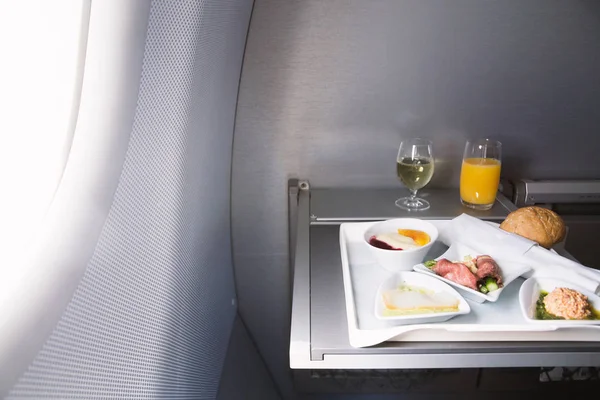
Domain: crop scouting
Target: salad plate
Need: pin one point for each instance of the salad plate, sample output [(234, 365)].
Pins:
[(461, 253)]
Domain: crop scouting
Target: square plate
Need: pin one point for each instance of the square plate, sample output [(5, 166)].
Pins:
[(456, 252), (418, 280), (530, 292)]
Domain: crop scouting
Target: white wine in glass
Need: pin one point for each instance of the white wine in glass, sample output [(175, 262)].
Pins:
[(414, 167)]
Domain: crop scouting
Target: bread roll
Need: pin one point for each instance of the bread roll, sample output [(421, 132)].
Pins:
[(539, 224)]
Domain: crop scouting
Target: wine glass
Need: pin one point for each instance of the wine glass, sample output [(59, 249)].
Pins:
[(414, 166)]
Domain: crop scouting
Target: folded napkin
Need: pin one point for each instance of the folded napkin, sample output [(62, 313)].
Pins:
[(488, 239)]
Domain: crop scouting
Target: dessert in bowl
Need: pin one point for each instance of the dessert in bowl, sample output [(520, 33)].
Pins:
[(399, 244)]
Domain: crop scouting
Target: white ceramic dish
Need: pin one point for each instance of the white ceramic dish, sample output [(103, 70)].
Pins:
[(400, 260), (456, 252), (419, 280), (530, 292)]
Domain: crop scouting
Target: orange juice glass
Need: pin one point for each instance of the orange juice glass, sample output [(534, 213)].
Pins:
[(480, 173)]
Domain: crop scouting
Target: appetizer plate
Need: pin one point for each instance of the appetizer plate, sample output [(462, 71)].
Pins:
[(457, 252), (409, 278), (529, 293)]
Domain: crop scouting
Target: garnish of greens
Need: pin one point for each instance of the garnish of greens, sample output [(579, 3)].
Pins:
[(489, 284), (430, 263)]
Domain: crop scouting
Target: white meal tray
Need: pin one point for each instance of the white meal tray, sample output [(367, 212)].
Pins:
[(490, 321)]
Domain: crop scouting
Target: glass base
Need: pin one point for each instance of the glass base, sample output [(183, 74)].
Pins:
[(412, 204), (479, 207)]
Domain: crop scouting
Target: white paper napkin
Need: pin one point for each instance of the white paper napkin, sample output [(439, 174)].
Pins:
[(497, 243), (550, 264), (485, 238)]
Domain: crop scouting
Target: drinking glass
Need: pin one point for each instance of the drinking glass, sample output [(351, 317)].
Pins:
[(414, 167), (480, 173)]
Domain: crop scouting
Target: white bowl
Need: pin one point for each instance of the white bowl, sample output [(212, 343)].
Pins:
[(400, 260), (420, 280), (530, 292), (457, 252)]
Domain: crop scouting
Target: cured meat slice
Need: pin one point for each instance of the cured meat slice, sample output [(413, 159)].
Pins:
[(486, 266), (456, 272)]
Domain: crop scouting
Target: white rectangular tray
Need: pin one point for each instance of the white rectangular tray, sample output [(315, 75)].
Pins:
[(498, 321)]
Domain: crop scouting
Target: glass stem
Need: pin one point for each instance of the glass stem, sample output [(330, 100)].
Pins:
[(413, 194)]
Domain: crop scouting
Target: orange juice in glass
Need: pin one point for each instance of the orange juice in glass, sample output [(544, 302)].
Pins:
[(480, 173)]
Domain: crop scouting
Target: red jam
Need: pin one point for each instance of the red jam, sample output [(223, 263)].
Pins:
[(380, 245)]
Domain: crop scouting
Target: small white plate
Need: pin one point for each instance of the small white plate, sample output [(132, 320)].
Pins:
[(456, 252), (530, 292), (414, 279)]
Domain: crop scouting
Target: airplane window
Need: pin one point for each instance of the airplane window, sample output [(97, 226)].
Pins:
[(43, 46)]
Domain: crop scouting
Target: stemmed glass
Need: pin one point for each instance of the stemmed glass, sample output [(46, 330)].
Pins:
[(414, 167)]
